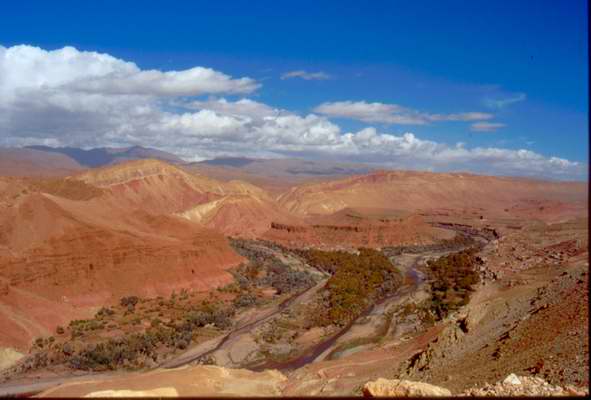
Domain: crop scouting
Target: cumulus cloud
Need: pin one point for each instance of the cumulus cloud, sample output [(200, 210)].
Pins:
[(486, 126), (391, 113), (499, 103), (245, 107), (308, 76), (25, 68), (68, 97)]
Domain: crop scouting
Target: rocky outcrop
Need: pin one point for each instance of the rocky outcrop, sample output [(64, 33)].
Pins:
[(485, 232), (288, 228), (8, 357), (514, 385), (343, 230), (402, 388)]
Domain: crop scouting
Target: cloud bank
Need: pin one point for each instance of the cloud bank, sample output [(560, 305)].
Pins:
[(68, 97), (391, 113)]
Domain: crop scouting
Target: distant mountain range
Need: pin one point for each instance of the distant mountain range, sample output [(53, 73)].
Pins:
[(60, 161), (290, 166), (109, 155)]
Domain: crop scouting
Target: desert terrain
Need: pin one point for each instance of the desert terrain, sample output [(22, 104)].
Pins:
[(127, 271)]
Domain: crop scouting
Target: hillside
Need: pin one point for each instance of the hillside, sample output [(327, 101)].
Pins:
[(65, 254), (243, 215), (31, 162), (421, 191)]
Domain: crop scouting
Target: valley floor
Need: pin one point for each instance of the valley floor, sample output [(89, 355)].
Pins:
[(528, 315)]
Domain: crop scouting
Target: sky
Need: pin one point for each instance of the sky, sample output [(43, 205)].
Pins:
[(492, 87)]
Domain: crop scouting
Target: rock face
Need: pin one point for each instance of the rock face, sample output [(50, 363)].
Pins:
[(402, 388), (357, 228), (184, 381)]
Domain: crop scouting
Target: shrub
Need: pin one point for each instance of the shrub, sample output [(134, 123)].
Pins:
[(104, 312), (68, 348), (130, 300), (244, 300)]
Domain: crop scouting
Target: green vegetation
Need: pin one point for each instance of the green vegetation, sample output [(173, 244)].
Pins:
[(134, 333), (452, 278), (266, 270), (357, 280), (135, 350)]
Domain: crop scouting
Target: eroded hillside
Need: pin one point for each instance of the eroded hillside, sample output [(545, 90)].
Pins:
[(463, 280)]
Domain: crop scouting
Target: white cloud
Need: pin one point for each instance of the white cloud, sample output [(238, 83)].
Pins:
[(52, 98), (486, 126), (391, 113), (504, 102), (26, 68), (308, 76), (247, 107)]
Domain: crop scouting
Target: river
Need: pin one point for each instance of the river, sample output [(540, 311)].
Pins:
[(217, 344)]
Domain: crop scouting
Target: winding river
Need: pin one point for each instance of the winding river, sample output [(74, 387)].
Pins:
[(410, 269)]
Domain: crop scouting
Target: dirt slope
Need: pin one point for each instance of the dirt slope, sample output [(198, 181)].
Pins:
[(62, 257), (247, 216), (161, 188)]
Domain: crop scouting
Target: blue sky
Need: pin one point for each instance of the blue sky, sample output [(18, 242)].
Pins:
[(522, 63)]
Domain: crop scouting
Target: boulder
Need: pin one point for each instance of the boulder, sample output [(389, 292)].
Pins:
[(9, 357), (512, 379), (402, 388)]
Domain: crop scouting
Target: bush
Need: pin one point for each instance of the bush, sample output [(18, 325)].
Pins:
[(59, 330), (131, 300), (68, 348), (181, 344), (115, 353), (104, 312), (245, 300)]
